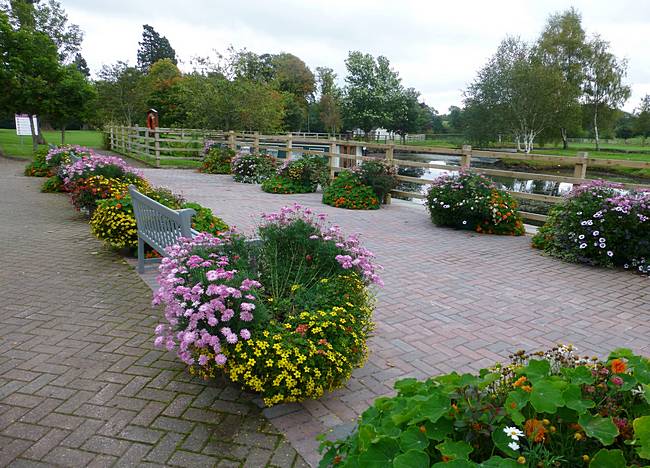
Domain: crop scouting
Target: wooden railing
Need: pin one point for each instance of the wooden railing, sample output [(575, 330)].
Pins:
[(163, 146)]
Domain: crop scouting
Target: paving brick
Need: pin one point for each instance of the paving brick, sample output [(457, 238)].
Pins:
[(189, 459), (106, 445), (141, 434), (69, 457)]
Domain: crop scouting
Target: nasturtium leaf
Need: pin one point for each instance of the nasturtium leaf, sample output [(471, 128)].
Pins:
[(608, 459), (580, 375), (573, 399), (455, 464), (411, 459), (459, 450), (501, 440), (641, 428), (629, 382), (498, 462), (599, 428), (546, 395), (515, 402), (432, 409), (379, 454), (646, 392), (408, 386), (536, 370), (439, 430), (413, 439)]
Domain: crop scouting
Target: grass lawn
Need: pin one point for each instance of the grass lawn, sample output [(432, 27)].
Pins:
[(10, 143)]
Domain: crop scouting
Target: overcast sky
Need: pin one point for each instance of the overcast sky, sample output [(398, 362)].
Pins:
[(436, 46)]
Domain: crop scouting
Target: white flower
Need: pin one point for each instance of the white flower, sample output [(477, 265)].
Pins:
[(464, 222), (610, 253), (583, 246), (513, 445), (581, 236), (596, 233), (513, 433)]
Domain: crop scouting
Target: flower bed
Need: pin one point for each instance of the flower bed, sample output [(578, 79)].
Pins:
[(469, 201), (252, 168), (287, 317), (599, 224), (110, 167), (38, 167), (216, 159), (546, 409), (348, 191), (302, 175), (380, 176)]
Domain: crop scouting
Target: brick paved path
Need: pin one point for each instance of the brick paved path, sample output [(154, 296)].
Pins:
[(80, 381), (452, 300)]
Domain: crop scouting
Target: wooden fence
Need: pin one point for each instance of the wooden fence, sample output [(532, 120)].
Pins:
[(182, 147)]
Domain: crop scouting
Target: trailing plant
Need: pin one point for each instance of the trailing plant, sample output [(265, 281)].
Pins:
[(217, 160), (38, 166), (252, 168), (286, 316), (541, 410), (599, 223), (347, 190), (471, 201)]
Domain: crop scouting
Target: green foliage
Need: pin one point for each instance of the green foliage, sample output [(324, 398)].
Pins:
[(299, 176), (204, 220), (542, 409), (597, 225), (469, 201), (380, 176), (39, 167), (217, 160), (347, 190), (121, 94), (53, 184), (252, 168)]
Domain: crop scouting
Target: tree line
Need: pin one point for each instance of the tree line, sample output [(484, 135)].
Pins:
[(565, 84)]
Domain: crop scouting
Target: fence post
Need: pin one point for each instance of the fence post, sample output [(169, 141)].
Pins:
[(256, 142), (466, 158), (129, 140), (332, 159), (156, 137), (390, 155), (289, 154), (580, 168), (146, 142), (111, 138), (231, 140), (123, 140)]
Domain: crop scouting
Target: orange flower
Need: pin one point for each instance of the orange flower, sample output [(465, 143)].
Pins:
[(618, 366), (535, 430), (520, 381), (527, 388)]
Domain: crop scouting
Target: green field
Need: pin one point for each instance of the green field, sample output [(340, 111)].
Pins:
[(11, 144)]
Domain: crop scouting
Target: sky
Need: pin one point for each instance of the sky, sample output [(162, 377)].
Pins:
[(436, 46)]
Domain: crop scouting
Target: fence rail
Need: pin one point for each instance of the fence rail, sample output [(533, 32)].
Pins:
[(163, 145)]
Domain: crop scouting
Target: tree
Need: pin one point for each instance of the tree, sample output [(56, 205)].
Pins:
[(406, 114), (48, 18), (371, 92), (29, 71), (72, 100), (642, 112), (121, 94), (162, 85), (153, 47), (563, 45), (603, 86), (455, 119), (329, 104), (515, 93), (81, 65)]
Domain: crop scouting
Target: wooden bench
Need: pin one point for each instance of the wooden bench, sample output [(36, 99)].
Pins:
[(158, 226)]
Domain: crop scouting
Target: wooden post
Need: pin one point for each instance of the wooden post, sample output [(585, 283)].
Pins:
[(129, 132), (123, 139), (111, 138), (390, 154), (333, 163), (256, 143), (289, 154), (146, 142), (156, 136), (580, 168), (232, 144), (466, 158)]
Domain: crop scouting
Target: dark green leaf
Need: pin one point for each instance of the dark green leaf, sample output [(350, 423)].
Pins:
[(455, 450), (573, 399), (413, 439), (546, 396), (599, 428), (608, 459), (411, 459)]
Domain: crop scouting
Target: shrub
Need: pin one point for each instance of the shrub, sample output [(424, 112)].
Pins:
[(53, 185), (469, 201), (86, 191), (287, 317), (252, 168), (378, 175), (110, 167), (546, 409), (348, 191), (38, 167), (599, 224), (284, 185), (217, 160), (205, 221)]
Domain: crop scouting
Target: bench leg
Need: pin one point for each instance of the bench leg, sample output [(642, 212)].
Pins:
[(140, 255)]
